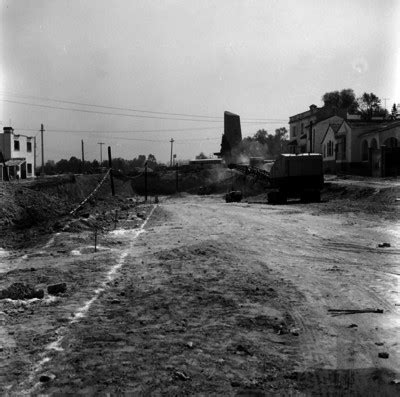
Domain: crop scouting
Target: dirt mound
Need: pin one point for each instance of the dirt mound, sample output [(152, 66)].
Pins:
[(23, 207), (21, 291)]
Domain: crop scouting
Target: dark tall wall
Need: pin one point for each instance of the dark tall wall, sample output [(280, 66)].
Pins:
[(232, 136)]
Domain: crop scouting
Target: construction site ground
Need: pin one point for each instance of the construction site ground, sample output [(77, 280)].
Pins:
[(195, 296)]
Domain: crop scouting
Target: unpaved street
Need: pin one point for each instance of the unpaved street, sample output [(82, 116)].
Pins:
[(210, 298)]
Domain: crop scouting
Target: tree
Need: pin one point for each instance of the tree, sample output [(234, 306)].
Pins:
[(50, 167), (369, 105), (394, 111), (265, 145), (151, 161), (201, 156), (345, 99)]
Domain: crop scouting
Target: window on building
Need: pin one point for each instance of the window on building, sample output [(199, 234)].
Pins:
[(28, 146), (329, 149), (294, 130), (16, 145), (302, 128), (29, 168)]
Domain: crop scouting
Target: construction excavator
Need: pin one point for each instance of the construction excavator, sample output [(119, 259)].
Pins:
[(289, 176)]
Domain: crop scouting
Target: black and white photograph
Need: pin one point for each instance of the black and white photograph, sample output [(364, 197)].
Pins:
[(200, 198)]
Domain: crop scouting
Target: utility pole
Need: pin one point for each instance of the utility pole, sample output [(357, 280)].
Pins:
[(34, 155), (111, 174), (83, 156), (176, 177), (145, 181), (41, 135), (172, 144), (101, 152)]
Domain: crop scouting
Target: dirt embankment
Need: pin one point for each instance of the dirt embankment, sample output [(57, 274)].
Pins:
[(31, 210)]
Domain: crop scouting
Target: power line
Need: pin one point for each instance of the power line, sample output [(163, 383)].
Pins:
[(120, 131), (108, 113), (131, 109)]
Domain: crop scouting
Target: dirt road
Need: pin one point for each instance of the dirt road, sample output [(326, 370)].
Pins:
[(210, 298)]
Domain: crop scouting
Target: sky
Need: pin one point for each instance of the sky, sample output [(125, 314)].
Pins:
[(133, 74)]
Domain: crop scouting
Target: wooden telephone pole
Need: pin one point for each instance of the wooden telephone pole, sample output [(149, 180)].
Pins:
[(41, 136), (172, 143)]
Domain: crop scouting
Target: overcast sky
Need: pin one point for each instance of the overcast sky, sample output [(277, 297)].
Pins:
[(264, 60)]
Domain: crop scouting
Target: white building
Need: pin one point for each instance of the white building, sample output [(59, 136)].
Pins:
[(18, 152)]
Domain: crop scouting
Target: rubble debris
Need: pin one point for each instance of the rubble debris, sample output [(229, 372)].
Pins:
[(379, 343), (295, 331), (56, 289), (46, 378), (22, 291), (338, 312), (180, 375), (384, 245), (240, 349), (189, 345), (383, 355), (352, 326)]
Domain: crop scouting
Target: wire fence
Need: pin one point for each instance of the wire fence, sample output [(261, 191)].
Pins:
[(91, 194)]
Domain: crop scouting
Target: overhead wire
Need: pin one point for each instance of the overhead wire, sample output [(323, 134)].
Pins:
[(197, 116)]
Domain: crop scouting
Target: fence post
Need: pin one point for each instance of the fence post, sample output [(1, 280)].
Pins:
[(145, 181)]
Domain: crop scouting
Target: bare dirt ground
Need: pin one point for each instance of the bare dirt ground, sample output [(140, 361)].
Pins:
[(209, 298)]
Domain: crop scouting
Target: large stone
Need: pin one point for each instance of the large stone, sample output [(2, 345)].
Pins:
[(56, 289)]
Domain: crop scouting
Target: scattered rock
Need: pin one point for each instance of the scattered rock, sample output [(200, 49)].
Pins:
[(295, 331), (21, 291), (384, 245), (46, 378), (352, 326), (141, 216), (115, 301), (180, 375), (379, 343), (240, 349), (56, 289), (395, 381), (189, 345), (383, 355)]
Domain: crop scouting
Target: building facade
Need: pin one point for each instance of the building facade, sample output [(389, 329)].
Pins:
[(308, 128), (18, 154), (362, 147)]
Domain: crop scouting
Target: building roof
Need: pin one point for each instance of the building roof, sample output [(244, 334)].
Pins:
[(333, 127), (384, 127), (14, 162)]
